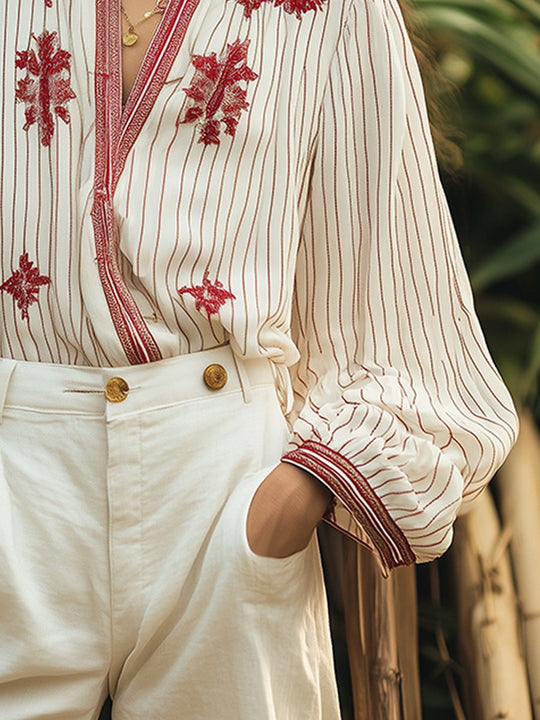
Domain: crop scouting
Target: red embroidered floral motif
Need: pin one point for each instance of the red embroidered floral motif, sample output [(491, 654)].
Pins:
[(210, 296), (46, 88), (216, 94), (48, 3), (24, 284), (294, 7)]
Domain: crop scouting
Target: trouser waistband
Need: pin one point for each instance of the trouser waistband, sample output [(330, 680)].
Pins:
[(123, 390)]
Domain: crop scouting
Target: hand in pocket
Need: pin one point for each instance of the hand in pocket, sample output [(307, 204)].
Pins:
[(285, 511)]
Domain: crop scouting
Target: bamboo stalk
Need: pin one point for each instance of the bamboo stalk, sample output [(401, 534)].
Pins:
[(442, 646), (356, 642), (406, 600), (518, 482), (496, 677), (371, 638), (381, 622)]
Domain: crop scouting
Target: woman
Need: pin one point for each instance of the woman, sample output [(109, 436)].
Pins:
[(233, 303)]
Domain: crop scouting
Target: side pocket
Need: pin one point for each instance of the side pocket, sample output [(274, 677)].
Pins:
[(265, 573), (245, 520)]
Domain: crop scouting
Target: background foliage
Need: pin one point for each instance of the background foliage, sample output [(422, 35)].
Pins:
[(490, 51)]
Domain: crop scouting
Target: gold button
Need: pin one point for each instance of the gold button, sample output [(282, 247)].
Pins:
[(215, 376), (116, 390)]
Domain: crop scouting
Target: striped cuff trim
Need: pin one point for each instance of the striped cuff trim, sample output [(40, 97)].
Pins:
[(346, 482)]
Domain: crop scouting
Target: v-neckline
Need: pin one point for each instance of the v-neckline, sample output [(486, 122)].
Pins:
[(149, 56), (116, 129), (120, 123), (137, 70)]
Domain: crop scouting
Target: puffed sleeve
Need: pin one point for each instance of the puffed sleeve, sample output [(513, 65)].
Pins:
[(398, 408)]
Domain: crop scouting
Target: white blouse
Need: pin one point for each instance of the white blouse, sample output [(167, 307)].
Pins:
[(270, 183)]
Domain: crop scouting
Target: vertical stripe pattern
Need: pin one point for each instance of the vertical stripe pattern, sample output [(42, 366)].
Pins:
[(316, 234), (399, 409)]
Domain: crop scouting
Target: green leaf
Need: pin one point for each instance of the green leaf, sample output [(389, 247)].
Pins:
[(532, 373), (518, 255), (530, 7), (510, 45)]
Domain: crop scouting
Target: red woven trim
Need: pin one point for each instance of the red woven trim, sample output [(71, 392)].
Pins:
[(153, 72), (137, 341), (346, 482), (115, 135)]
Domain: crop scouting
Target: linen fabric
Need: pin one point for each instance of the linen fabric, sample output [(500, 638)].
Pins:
[(270, 182), (124, 563)]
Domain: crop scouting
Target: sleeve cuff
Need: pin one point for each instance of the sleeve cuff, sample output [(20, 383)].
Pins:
[(359, 499)]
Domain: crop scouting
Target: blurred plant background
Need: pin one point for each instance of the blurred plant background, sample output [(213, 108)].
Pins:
[(489, 50)]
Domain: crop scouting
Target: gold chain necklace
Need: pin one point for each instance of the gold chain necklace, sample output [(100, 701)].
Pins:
[(130, 37)]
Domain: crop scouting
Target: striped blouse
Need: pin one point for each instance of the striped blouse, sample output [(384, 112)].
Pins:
[(271, 183)]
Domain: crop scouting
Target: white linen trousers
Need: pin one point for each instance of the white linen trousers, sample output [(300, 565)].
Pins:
[(124, 563)]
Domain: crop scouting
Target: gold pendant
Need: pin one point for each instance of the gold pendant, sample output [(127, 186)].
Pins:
[(129, 38)]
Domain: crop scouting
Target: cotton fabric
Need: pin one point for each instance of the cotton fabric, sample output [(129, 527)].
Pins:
[(318, 219), (147, 587)]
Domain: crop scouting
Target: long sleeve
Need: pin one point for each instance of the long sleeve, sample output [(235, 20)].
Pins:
[(399, 409)]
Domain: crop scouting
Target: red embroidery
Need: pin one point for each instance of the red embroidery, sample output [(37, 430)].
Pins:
[(24, 284), (46, 88), (48, 3), (294, 7), (210, 296), (216, 94)]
